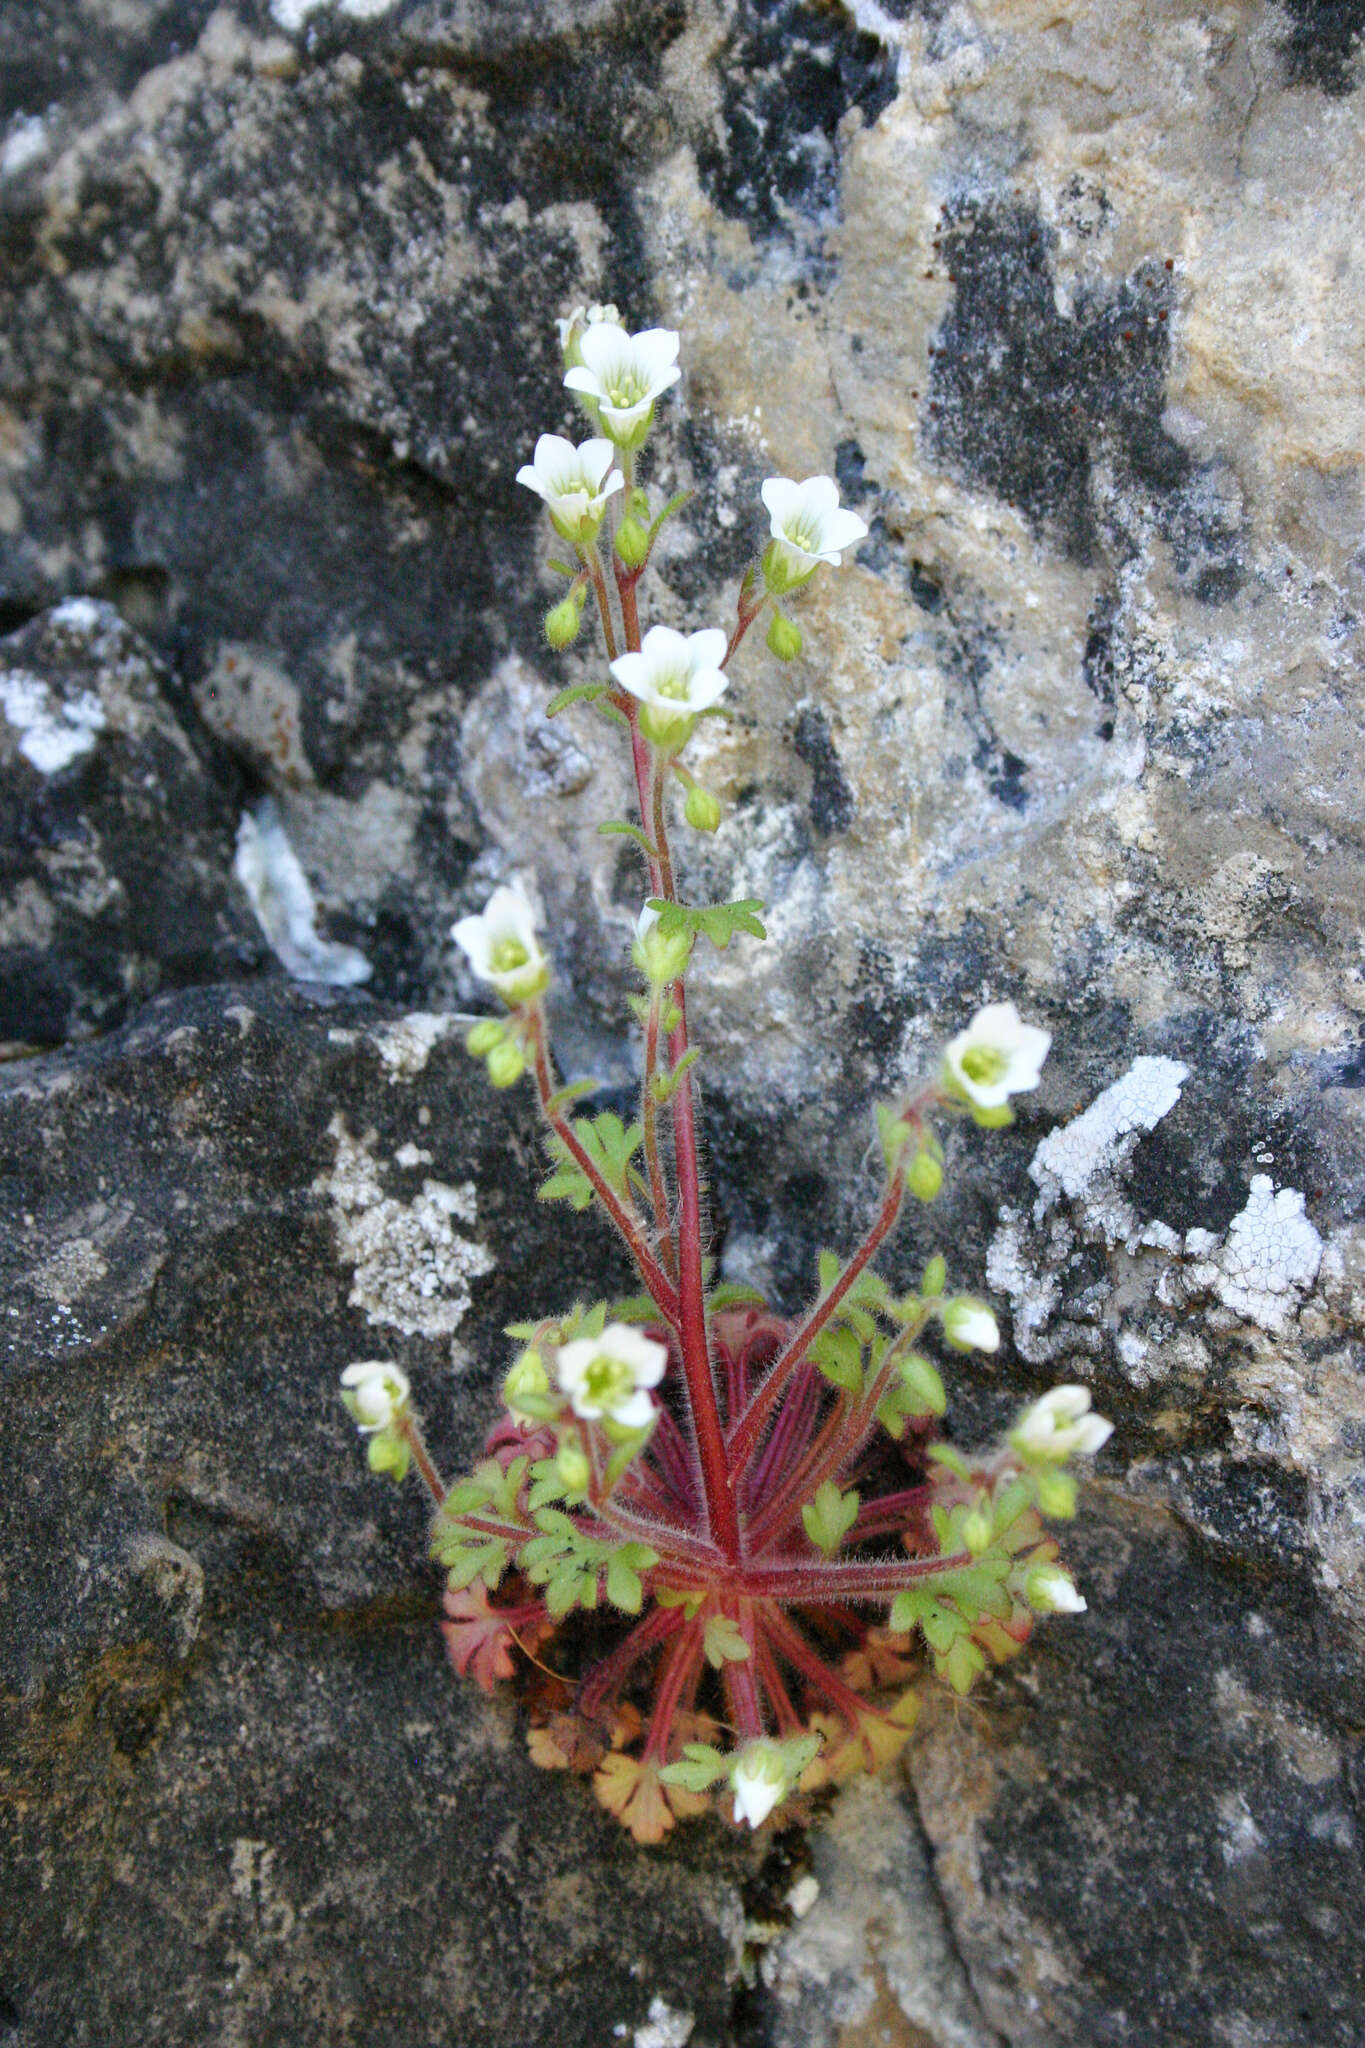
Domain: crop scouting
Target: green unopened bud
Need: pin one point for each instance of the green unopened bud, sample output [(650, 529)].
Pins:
[(389, 1452), (976, 1531), (1056, 1495), (935, 1276), (661, 959), (632, 543), (562, 622), (784, 637), (997, 1119), (506, 1064), (527, 1382), (924, 1175), (572, 1466), (488, 1032), (701, 810)]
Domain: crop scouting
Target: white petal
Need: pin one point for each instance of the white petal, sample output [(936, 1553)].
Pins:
[(636, 1412), (580, 378), (820, 494), (632, 672), (841, 530), (708, 647), (656, 351), (782, 498)]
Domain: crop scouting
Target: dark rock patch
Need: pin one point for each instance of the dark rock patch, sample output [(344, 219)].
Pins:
[(1321, 46), (790, 71)]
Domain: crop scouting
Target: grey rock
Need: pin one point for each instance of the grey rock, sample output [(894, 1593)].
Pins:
[(1069, 300), (116, 833), (239, 1770)]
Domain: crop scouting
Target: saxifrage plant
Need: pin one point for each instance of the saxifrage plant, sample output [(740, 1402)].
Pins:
[(757, 1512)]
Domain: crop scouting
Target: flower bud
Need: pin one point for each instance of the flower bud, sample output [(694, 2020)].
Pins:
[(488, 1032), (1056, 1494), (969, 1325), (1050, 1589), (632, 543), (976, 1531), (784, 637), (701, 810), (924, 1175), (661, 960), (935, 1277), (506, 1064), (572, 1465), (562, 622), (527, 1381)]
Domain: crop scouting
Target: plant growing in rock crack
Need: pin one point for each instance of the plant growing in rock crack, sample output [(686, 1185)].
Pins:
[(704, 1478)]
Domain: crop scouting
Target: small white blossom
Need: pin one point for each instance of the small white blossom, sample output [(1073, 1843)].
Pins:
[(758, 1782), (674, 676), (659, 959), (1060, 1425), (502, 947), (996, 1056), (623, 374), (808, 526), (376, 1394), (1051, 1590), (574, 482), (969, 1326), (605, 1377)]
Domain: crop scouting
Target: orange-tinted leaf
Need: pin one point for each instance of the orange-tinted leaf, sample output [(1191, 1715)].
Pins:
[(631, 1790)]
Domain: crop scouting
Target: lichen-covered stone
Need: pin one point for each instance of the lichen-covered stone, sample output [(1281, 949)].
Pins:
[(238, 1770)]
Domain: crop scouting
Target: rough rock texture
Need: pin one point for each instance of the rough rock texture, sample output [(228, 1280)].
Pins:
[(1069, 299)]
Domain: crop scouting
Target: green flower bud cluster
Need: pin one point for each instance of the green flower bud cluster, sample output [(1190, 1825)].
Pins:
[(493, 1042)]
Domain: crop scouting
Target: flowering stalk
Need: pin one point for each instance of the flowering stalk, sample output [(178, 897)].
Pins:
[(716, 1474)]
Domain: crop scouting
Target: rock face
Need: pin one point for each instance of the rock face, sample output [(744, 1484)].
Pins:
[(1068, 298)]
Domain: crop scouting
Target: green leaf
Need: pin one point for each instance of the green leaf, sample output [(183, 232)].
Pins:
[(619, 828), (944, 1454), (675, 504), (678, 1596), (830, 1516), (723, 1642), (665, 1086), (894, 1133), (731, 1294), (624, 1587), (572, 1091), (716, 921), (962, 1664), (635, 1308), (577, 693), (546, 1484), (839, 1356), (697, 1769)]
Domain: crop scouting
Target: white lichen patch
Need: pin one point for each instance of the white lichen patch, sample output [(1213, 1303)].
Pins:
[(292, 15), (279, 894), (405, 1047), (55, 731), (23, 145), (665, 2027), (1268, 1261), (1072, 1158), (412, 1267)]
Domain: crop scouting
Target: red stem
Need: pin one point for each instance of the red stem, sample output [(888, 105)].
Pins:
[(671, 1684), (819, 1583), (627, 1223), (745, 1436), (611, 1673)]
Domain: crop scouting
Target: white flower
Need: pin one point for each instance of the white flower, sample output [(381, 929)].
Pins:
[(376, 1394), (502, 947), (996, 1056), (675, 675), (758, 1782), (574, 482), (1051, 1590), (623, 374), (969, 1326), (605, 1377), (1060, 1425), (808, 527)]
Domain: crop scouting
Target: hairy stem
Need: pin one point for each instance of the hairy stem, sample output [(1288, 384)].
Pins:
[(411, 1434), (649, 1119), (745, 1436), (622, 1213)]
